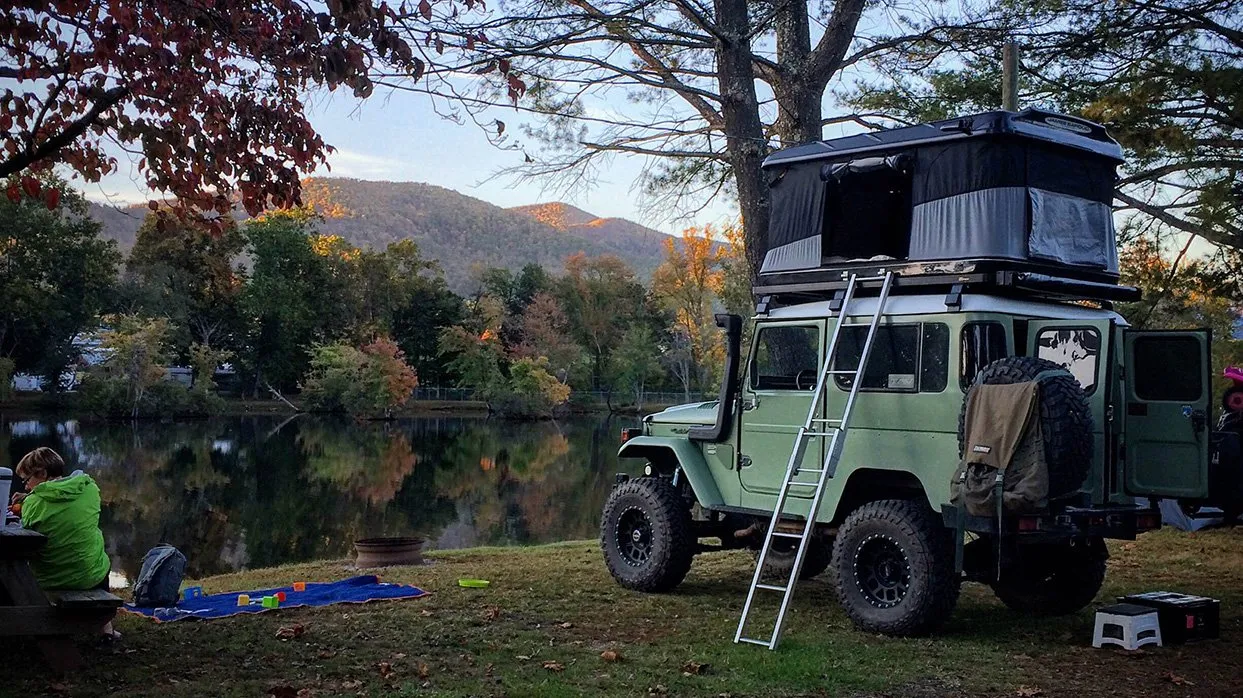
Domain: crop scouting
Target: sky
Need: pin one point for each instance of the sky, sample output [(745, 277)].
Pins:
[(400, 137)]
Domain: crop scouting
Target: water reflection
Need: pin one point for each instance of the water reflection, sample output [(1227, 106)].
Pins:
[(259, 491)]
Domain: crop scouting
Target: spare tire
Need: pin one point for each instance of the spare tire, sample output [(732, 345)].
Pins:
[(1065, 417)]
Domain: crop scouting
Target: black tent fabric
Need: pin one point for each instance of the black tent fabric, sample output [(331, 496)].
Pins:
[(797, 219)]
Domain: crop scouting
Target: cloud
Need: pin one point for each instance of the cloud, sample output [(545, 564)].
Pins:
[(352, 163)]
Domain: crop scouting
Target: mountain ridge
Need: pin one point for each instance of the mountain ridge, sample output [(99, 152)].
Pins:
[(460, 232)]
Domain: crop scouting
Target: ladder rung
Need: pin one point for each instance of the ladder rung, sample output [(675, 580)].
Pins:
[(827, 421), (802, 484), (842, 372), (813, 471), (856, 324), (783, 534), (753, 641), (771, 587)]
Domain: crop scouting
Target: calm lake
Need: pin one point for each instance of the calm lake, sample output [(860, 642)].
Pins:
[(237, 493)]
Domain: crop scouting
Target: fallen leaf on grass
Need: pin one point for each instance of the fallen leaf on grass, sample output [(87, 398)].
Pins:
[(399, 655), (1176, 679), (610, 656), (423, 671), (565, 625), (351, 685), (554, 666), (694, 668), (386, 670), (491, 613), (1029, 692), (522, 657), (298, 630), (426, 613)]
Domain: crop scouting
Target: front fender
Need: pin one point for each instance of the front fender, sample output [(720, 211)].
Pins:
[(683, 454)]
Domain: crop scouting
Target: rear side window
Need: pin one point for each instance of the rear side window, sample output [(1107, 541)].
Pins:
[(982, 344), (786, 358), (905, 358), (1074, 349), (1167, 368)]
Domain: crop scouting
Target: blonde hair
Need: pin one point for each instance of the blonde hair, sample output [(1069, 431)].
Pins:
[(42, 462)]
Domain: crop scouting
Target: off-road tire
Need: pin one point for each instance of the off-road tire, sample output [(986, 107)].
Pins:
[(670, 544), (1060, 580), (920, 548), (1065, 418), (816, 560)]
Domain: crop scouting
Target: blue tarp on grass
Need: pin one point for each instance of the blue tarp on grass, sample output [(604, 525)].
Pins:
[(353, 590)]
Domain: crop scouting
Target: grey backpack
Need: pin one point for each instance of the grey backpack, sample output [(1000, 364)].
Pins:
[(159, 580)]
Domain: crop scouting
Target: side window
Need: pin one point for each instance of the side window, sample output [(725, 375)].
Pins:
[(1167, 368), (1075, 349), (934, 358), (905, 358), (786, 358), (982, 344)]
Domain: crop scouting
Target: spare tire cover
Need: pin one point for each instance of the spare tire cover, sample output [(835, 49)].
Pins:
[(1065, 417)]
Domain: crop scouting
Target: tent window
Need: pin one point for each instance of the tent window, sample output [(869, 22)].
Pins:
[(867, 214)]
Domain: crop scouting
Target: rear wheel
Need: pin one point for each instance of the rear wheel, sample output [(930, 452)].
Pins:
[(1055, 579), (894, 563), (646, 535)]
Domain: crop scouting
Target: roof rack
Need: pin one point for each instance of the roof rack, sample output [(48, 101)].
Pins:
[(953, 277)]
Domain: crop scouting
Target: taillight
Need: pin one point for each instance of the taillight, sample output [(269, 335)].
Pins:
[(629, 433), (1029, 523)]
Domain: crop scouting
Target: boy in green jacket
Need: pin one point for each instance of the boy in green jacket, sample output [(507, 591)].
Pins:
[(65, 508)]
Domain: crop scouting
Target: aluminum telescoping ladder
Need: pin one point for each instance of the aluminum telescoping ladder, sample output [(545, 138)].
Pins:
[(814, 427)]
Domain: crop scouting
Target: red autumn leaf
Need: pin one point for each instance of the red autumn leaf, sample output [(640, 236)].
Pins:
[(51, 198), (14, 194), (425, 9), (153, 205), (6, 122), (440, 45), (31, 186), (503, 64), (470, 43), (500, 127)]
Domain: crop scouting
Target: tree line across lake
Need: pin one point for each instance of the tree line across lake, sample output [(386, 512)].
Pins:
[(291, 310)]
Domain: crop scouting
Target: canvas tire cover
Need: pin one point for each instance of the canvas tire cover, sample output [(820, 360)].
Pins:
[(1065, 417)]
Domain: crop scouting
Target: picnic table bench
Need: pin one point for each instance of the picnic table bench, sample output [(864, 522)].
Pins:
[(51, 618)]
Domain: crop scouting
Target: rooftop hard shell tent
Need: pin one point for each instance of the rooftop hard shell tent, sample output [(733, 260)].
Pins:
[(1031, 188)]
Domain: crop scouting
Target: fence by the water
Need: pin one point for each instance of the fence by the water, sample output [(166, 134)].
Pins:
[(439, 394)]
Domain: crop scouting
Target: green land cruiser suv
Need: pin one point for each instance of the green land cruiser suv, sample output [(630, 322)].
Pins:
[(997, 231)]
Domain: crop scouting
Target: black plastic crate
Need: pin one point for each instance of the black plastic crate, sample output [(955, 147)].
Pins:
[(1182, 617)]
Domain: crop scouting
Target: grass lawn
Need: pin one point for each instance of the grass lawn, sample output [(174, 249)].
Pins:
[(554, 624)]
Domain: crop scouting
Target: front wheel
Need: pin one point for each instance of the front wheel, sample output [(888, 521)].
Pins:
[(1054, 580), (894, 562), (646, 535)]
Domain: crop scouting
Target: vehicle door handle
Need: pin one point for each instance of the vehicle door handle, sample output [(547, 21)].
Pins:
[(1199, 420), (748, 405)]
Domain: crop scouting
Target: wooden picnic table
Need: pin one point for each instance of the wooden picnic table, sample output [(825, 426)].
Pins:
[(51, 618)]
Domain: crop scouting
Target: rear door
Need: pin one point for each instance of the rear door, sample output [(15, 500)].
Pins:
[(1083, 347), (1167, 392)]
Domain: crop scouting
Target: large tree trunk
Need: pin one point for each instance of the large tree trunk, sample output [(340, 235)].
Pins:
[(744, 134), (798, 94)]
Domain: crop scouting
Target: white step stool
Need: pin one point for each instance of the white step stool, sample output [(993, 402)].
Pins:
[(1127, 625)]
